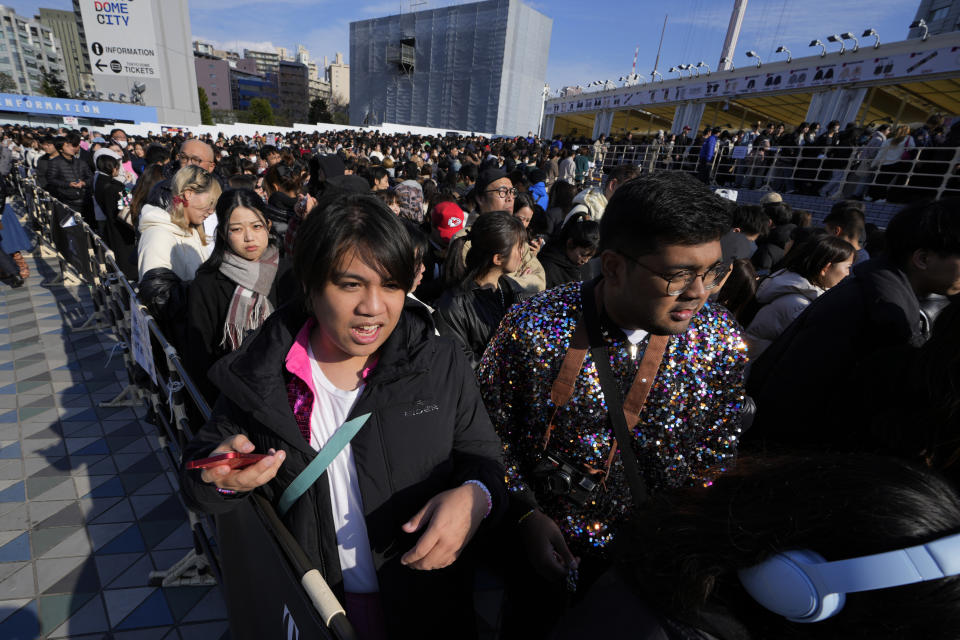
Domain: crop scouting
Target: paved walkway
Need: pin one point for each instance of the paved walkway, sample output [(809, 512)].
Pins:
[(87, 508)]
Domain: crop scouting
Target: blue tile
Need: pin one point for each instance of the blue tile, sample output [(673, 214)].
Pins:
[(17, 550), (10, 416), (112, 488), (94, 448), (6, 366), (13, 493), (84, 416), (127, 542), (22, 625), (153, 612), (10, 452)]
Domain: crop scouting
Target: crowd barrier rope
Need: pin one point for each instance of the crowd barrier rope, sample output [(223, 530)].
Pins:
[(271, 588)]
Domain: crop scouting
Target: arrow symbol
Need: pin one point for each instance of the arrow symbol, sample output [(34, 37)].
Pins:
[(100, 66)]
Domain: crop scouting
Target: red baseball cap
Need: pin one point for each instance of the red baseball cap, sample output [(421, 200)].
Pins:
[(447, 218)]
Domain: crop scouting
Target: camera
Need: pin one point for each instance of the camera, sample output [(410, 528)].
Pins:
[(559, 477)]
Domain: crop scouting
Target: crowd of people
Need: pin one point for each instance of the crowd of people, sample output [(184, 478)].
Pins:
[(625, 396)]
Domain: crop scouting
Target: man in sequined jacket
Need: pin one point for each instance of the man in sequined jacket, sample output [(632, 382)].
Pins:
[(661, 258)]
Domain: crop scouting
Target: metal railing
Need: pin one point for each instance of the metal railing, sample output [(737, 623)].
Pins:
[(831, 172), (174, 401)]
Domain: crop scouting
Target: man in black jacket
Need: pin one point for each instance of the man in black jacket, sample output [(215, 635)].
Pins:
[(414, 484), (804, 382), (69, 178)]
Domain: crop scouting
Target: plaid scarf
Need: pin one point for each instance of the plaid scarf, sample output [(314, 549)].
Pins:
[(249, 306)]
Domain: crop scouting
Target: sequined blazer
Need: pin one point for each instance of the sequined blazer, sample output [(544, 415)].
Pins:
[(688, 429)]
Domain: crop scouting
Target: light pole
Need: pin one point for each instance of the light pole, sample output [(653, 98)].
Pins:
[(753, 54), (849, 36), (823, 48), (543, 107), (783, 49), (871, 32), (921, 24), (836, 38)]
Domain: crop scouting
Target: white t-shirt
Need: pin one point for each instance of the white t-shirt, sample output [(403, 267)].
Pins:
[(331, 407)]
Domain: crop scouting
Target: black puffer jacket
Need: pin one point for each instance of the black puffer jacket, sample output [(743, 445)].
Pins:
[(472, 315), (428, 432), (558, 267), (165, 296), (804, 383), (61, 172)]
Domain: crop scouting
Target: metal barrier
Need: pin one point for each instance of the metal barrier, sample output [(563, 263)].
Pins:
[(832, 172), (164, 386)]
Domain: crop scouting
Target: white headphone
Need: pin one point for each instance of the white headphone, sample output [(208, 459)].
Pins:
[(803, 587)]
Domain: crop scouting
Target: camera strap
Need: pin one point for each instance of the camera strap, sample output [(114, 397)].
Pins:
[(624, 415)]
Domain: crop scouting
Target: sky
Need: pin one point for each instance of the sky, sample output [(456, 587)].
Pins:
[(591, 39)]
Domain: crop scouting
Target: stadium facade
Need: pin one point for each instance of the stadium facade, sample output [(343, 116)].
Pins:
[(473, 67)]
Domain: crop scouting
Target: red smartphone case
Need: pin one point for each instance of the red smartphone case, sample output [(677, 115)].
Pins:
[(231, 459)]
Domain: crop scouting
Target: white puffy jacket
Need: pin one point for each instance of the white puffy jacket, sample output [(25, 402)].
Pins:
[(165, 245), (784, 296)]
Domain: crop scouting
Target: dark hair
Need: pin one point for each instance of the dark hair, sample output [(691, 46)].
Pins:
[(156, 153), (152, 174), (228, 202), (809, 257), (802, 218), (358, 222), (780, 213), (107, 164), (562, 194), (523, 199), (419, 240), (282, 177), (849, 218), (268, 149), (242, 181), (623, 172), (750, 219), (664, 208), (494, 233), (739, 288), (934, 226), (410, 170), (683, 550), (374, 173), (583, 233)]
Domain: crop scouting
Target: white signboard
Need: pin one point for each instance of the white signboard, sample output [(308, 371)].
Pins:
[(140, 340), (121, 38), (71, 121)]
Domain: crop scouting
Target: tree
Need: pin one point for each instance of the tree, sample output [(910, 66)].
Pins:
[(7, 83), (260, 111), (206, 116), (319, 111), (53, 86)]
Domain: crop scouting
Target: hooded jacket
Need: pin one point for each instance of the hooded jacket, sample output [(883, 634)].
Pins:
[(558, 267), (783, 296), (164, 245), (539, 193), (803, 381), (428, 432)]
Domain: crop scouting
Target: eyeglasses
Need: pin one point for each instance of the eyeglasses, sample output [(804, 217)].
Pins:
[(184, 158), (503, 191), (680, 281)]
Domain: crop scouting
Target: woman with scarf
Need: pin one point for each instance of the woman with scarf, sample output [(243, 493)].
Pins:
[(237, 288)]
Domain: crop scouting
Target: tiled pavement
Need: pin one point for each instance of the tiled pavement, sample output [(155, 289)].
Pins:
[(87, 508)]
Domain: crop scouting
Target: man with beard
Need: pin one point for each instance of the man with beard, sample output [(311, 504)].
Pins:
[(648, 318)]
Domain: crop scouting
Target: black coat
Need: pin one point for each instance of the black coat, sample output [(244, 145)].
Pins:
[(279, 212), (472, 315), (557, 266), (428, 432), (61, 172), (119, 236), (804, 383), (208, 301)]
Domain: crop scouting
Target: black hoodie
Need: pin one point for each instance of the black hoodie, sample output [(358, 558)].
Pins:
[(428, 432), (804, 383)]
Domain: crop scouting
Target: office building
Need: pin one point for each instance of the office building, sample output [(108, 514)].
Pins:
[(294, 90), (941, 16), (338, 75), (213, 76), (476, 67), (76, 61), (267, 62), (27, 49)]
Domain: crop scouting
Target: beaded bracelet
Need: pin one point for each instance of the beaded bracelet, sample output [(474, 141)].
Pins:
[(486, 492)]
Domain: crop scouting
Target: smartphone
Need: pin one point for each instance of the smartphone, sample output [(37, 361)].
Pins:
[(232, 459)]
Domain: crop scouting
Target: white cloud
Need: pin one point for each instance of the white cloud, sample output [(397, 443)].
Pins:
[(239, 45)]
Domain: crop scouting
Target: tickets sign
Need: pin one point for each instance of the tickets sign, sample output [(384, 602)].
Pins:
[(121, 38)]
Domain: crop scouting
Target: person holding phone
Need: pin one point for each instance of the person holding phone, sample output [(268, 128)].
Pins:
[(419, 478)]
